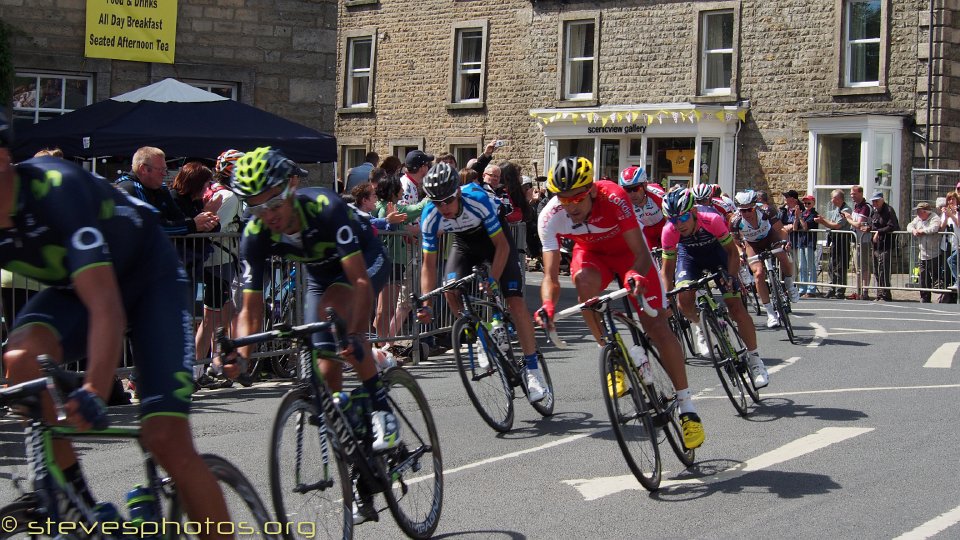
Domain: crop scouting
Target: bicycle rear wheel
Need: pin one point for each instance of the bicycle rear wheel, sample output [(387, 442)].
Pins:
[(724, 361), (415, 466), (487, 386), (631, 419), (309, 480)]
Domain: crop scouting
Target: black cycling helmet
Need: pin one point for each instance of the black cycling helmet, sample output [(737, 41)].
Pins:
[(441, 182), (6, 131)]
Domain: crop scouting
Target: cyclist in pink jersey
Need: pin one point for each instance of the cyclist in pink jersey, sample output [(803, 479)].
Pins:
[(696, 242), (599, 218)]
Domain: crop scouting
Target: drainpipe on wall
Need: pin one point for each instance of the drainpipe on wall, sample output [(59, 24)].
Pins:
[(926, 157)]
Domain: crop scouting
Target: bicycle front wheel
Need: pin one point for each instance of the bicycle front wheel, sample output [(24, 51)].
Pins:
[(27, 519), (724, 361), (631, 417), (483, 377), (545, 405), (781, 304), (309, 480), (667, 407), (415, 466)]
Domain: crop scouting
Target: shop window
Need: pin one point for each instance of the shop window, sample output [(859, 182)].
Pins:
[(359, 71), (716, 52), (38, 96), (579, 66), (469, 68)]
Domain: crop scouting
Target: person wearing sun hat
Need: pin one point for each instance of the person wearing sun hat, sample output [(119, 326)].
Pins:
[(925, 228)]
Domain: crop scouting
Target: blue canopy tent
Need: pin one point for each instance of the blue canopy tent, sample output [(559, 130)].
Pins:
[(179, 119)]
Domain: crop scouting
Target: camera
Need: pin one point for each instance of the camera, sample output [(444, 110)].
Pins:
[(499, 143)]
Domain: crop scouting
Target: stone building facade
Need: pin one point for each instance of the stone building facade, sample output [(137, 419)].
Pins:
[(279, 55), (771, 95)]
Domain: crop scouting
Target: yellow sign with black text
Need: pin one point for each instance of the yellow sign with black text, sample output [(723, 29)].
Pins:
[(138, 30)]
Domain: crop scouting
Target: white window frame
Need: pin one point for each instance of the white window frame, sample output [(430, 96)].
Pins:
[(706, 53), (352, 73), (570, 61), (870, 128), (462, 68), (848, 44), (346, 151), (36, 109), (211, 86)]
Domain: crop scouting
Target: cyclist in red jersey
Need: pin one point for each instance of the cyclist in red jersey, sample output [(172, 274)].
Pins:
[(599, 218), (647, 202)]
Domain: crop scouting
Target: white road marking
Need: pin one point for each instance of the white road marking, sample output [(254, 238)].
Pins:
[(853, 331), (954, 323), (788, 362), (842, 390), (943, 356), (595, 488), (931, 528), (820, 334)]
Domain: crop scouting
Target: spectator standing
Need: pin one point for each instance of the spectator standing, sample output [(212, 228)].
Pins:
[(882, 223), (863, 254), (926, 229), (950, 222), (838, 242), (480, 163), (797, 220), (511, 192), (417, 163), (361, 173), (391, 165)]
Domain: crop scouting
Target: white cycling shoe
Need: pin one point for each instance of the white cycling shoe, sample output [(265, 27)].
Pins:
[(386, 430), (536, 388)]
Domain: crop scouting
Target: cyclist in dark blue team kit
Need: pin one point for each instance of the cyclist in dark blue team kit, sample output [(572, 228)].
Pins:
[(470, 215), (110, 268), (344, 264)]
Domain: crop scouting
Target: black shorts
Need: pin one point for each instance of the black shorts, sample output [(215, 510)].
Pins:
[(464, 257)]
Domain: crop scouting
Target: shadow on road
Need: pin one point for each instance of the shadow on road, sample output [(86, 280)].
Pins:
[(771, 409)]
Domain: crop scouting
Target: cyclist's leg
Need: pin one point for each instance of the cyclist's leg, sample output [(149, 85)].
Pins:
[(759, 273), (160, 322), (589, 277), (460, 263), (511, 284), (658, 328), (53, 322)]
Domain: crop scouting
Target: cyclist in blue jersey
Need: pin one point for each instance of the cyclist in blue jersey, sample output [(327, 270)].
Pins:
[(110, 268), (470, 214), (344, 264)]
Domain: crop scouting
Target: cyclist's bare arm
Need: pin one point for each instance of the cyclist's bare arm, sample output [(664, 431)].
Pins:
[(550, 286), (355, 269), (502, 251), (99, 292), (733, 258), (668, 270), (250, 319), (642, 258)]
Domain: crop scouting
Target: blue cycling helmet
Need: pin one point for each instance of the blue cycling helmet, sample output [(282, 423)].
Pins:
[(677, 203)]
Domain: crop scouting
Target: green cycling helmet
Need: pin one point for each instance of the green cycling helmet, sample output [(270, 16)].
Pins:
[(261, 169)]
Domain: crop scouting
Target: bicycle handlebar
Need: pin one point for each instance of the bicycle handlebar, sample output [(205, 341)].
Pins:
[(53, 379), (694, 285), (285, 331), (776, 247)]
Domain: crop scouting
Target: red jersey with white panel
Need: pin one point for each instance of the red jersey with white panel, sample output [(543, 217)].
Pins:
[(611, 215)]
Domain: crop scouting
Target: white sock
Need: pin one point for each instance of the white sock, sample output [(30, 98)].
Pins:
[(696, 327), (685, 401), (768, 307)]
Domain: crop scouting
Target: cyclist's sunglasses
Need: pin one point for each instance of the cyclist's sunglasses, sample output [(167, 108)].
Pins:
[(746, 210), (682, 218), (444, 202), (634, 189), (271, 204), (569, 201)]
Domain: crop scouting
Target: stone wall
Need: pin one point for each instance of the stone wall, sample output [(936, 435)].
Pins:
[(787, 70), (282, 53)]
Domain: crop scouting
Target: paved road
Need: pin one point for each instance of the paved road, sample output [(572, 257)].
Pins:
[(856, 437)]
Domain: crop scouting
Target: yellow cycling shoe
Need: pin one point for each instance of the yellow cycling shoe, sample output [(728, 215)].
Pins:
[(621, 385), (692, 430)]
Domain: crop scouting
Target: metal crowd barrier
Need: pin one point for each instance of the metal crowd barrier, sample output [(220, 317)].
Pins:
[(852, 257), (211, 264)]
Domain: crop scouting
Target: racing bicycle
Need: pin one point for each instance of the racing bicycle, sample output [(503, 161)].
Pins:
[(322, 464), (50, 501), (778, 292), (489, 372)]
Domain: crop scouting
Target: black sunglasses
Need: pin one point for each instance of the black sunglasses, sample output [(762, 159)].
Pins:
[(444, 202), (633, 189)]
